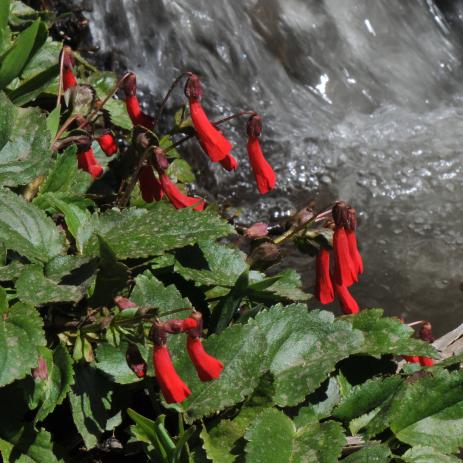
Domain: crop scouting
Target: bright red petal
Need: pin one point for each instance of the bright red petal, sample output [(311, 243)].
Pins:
[(348, 303), (172, 387), (216, 146), (263, 172), (324, 291), (177, 198), (207, 367), (344, 273)]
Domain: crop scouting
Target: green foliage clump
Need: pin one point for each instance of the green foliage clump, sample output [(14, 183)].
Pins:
[(290, 391)]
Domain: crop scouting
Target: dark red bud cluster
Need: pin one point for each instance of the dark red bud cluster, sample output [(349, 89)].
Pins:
[(193, 88), (254, 126), (207, 367), (68, 58), (129, 85), (160, 159)]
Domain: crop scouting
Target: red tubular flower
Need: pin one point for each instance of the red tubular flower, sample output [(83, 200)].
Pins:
[(150, 187), (172, 387), (189, 324), (263, 172), (426, 361), (69, 79), (137, 116), (135, 361), (348, 303), (86, 161), (229, 163), (344, 274), (108, 144), (176, 197), (357, 260), (323, 286), (411, 358), (214, 143), (426, 335), (207, 367)]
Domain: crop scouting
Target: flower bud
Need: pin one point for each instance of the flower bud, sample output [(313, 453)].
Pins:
[(129, 85), (340, 213), (124, 303), (68, 58), (352, 219), (83, 143), (161, 161), (264, 255), (41, 372), (257, 230), (254, 126), (135, 361), (158, 334), (426, 332), (193, 88)]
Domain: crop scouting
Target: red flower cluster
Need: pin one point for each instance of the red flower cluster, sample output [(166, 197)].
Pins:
[(213, 142), (348, 262), (69, 79), (425, 334), (85, 156), (207, 367)]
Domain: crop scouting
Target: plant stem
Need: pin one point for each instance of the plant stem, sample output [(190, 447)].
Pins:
[(166, 97), (220, 121)]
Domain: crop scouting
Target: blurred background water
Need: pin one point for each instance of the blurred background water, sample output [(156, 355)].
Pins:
[(362, 100)]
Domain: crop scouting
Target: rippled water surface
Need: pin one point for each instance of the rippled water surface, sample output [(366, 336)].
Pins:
[(362, 100)]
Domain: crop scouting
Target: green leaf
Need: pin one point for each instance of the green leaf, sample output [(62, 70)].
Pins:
[(388, 335), (34, 287), (442, 430), (320, 442), (270, 438), (225, 310), (286, 285), (111, 278), (38, 74), (15, 59), (180, 171), (273, 438), (27, 230), (240, 348), (366, 396), (4, 15), (220, 440), (112, 360), (371, 453), (91, 404), (421, 403), (53, 120), (11, 271), (321, 410), (156, 434), (425, 454), (224, 265), (149, 232), (65, 177), (118, 114), (50, 392), (303, 348), (25, 445), (74, 215), (149, 292), (21, 335), (24, 144)]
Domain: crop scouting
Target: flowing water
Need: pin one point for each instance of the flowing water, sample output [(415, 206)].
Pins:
[(362, 100)]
